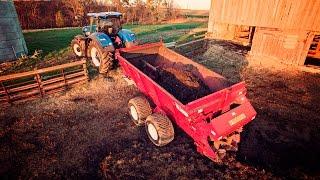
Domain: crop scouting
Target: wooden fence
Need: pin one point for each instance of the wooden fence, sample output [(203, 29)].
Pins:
[(41, 82)]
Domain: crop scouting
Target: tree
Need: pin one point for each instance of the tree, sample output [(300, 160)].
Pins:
[(76, 10), (59, 19)]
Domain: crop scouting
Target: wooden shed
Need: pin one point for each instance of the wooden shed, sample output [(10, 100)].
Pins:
[(284, 30), (12, 43)]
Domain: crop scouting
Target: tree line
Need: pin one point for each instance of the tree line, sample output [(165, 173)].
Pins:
[(72, 13)]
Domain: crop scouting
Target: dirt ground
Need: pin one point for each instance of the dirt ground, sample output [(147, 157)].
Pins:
[(76, 134)]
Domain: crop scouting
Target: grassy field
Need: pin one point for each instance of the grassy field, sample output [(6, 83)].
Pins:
[(57, 40)]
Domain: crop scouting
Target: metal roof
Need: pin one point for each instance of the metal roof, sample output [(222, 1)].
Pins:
[(104, 14)]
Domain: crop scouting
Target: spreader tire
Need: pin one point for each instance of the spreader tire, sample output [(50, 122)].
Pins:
[(76, 48), (100, 58), (159, 129), (139, 110)]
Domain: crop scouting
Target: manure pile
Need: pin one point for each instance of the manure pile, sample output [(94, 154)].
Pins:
[(181, 83)]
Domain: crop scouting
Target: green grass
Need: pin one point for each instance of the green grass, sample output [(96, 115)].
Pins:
[(56, 40), (49, 41), (151, 29)]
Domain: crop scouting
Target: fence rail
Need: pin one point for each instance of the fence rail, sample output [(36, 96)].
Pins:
[(41, 82)]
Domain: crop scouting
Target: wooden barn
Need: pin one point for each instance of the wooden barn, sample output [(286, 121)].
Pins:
[(283, 30)]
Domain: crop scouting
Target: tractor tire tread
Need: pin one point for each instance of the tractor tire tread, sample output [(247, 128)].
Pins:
[(106, 62)]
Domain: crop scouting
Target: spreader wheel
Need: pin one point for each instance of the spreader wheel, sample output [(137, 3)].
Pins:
[(159, 129), (139, 110)]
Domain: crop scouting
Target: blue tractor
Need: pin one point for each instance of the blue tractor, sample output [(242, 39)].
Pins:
[(100, 39)]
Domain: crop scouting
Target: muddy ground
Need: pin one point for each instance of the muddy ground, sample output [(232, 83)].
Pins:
[(75, 135)]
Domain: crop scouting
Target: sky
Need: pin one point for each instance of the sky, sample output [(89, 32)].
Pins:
[(193, 4)]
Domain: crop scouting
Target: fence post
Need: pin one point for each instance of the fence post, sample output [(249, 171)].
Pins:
[(84, 66), (64, 79), (38, 79), (5, 90)]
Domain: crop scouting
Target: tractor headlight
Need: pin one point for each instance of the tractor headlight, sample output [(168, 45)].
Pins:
[(85, 29)]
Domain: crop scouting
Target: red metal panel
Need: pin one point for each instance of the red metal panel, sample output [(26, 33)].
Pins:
[(234, 119)]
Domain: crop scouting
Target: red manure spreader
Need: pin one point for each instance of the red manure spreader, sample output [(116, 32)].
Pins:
[(180, 91)]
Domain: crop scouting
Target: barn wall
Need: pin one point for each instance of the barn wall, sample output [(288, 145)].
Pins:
[(290, 47), (283, 14), (12, 43), (222, 31)]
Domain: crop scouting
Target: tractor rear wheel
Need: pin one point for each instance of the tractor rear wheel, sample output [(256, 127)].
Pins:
[(100, 58), (76, 48), (159, 129), (139, 109)]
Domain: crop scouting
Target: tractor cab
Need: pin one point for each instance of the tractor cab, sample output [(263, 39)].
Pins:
[(105, 22)]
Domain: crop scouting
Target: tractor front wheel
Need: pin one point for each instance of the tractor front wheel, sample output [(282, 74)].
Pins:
[(76, 48), (100, 58), (159, 129)]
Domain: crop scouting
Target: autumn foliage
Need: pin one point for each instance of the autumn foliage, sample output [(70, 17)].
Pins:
[(69, 13)]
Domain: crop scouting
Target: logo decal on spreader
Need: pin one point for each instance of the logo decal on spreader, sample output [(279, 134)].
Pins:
[(237, 119)]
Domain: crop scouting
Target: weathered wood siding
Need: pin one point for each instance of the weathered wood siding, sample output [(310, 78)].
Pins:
[(289, 47), (282, 14), (12, 43)]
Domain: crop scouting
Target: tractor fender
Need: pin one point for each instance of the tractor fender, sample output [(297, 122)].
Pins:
[(127, 36), (102, 40)]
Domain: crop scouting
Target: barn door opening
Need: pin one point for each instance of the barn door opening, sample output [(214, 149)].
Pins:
[(244, 34), (313, 58)]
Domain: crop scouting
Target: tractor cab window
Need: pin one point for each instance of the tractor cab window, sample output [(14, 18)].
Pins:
[(103, 23), (116, 22), (110, 26)]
